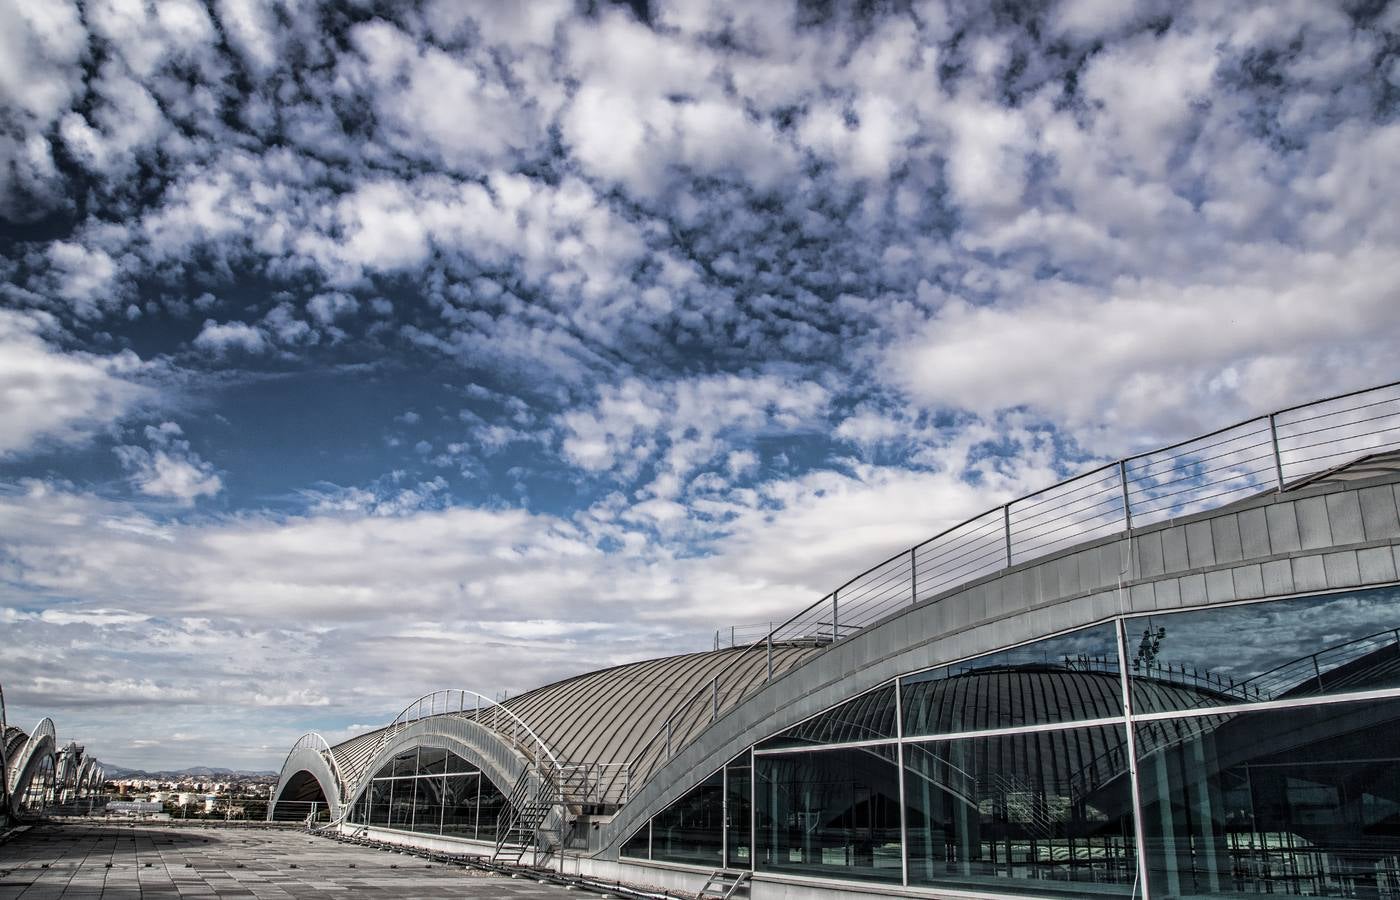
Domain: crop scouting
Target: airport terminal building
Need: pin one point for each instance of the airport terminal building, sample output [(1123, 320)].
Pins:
[(1174, 676)]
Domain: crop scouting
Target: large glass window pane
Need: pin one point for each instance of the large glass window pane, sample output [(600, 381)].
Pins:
[(1067, 678), (431, 761), (638, 846), (401, 803), (379, 802), (457, 764), (689, 830), (427, 804), (1046, 813), (829, 813), (1274, 650), (405, 763), (738, 812), (489, 811), (865, 718), (1302, 801), (459, 813)]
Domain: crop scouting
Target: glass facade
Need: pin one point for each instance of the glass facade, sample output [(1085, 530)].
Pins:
[(1258, 652), (1060, 679), (431, 791), (1302, 801), (1048, 812), (830, 813), (690, 830), (1248, 761)]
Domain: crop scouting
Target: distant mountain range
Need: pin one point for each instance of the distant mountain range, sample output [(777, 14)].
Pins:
[(115, 771)]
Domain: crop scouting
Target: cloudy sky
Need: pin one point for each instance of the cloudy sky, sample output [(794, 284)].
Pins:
[(353, 351)]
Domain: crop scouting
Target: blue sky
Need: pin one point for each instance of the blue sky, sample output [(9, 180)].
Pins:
[(348, 352)]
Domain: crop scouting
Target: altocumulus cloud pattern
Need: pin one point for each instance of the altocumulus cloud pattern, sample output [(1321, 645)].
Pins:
[(514, 341)]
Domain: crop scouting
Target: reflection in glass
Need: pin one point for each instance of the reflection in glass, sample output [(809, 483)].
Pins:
[(427, 804), (638, 846), (689, 830), (379, 803), (1067, 678), (830, 813), (461, 795), (404, 764), (431, 761), (489, 810), (867, 717), (451, 796), (401, 802), (1293, 801), (1045, 813), (1276, 650), (738, 812)]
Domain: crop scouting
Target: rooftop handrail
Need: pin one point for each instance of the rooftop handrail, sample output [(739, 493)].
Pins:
[(403, 719), (1244, 458), (1264, 684)]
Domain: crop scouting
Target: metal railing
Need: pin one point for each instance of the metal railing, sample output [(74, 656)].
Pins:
[(600, 784), (1309, 673), (492, 715), (1284, 448)]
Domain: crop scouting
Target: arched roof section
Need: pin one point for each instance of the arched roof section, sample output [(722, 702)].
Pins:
[(480, 746), (42, 742), (612, 717), (311, 754)]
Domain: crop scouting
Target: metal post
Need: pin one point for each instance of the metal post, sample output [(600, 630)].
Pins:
[(668, 738), (1006, 522), (716, 639), (903, 797), (835, 619), (770, 651), (714, 698), (4, 763), (1278, 458), (1123, 480), (913, 577)]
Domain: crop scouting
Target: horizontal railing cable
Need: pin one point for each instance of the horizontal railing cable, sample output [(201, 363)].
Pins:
[(1192, 475)]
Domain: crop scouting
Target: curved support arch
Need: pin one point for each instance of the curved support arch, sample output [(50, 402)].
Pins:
[(43, 742), (85, 774), (312, 754), (479, 745), (454, 700)]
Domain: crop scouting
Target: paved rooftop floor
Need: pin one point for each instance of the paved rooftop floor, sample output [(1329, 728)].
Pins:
[(139, 860)]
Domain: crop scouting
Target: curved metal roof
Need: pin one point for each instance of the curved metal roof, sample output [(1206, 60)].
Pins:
[(615, 715)]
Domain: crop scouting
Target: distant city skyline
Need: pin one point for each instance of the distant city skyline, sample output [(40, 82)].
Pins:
[(486, 344)]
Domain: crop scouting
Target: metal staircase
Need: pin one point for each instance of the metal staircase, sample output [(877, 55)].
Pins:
[(528, 806), (726, 883)]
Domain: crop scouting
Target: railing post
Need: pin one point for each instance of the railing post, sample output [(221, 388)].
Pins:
[(1006, 523), (1278, 457), (835, 619), (913, 577), (716, 639), (1127, 507), (770, 651)]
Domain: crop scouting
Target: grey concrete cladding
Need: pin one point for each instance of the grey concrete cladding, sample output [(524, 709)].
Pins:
[(1333, 534)]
